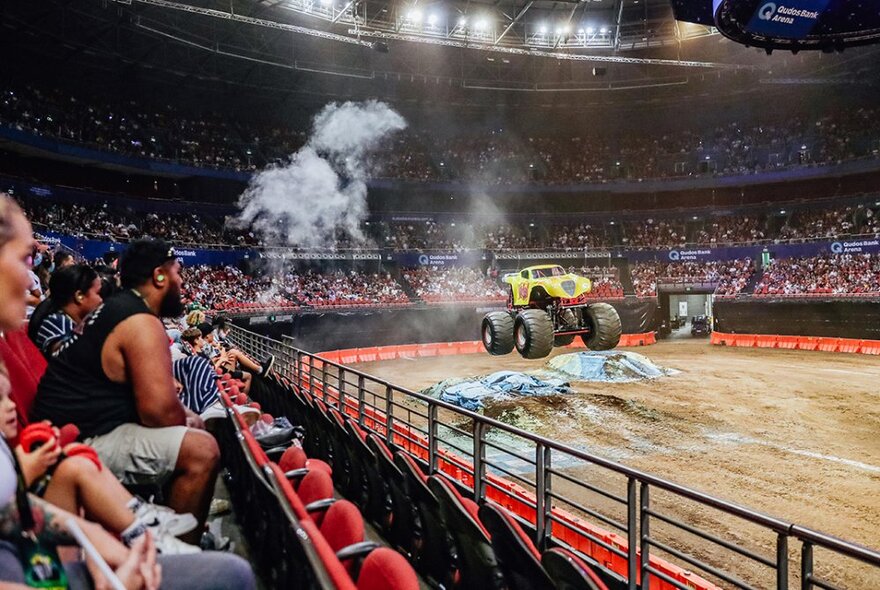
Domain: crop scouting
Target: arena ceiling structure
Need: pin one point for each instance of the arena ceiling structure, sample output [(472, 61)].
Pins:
[(468, 53)]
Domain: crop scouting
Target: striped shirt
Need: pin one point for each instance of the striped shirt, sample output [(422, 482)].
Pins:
[(57, 328), (199, 381)]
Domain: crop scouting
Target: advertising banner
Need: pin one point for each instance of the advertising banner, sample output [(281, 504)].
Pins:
[(410, 259), (804, 250), (95, 249), (788, 19)]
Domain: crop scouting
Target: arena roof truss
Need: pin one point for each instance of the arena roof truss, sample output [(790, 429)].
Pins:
[(371, 21)]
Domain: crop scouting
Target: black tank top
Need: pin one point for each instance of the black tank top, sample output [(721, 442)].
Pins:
[(75, 388)]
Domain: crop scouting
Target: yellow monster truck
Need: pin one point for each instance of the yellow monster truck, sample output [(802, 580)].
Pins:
[(547, 307)]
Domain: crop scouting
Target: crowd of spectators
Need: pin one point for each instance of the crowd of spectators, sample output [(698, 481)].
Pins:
[(726, 277), (204, 229), (453, 284), (498, 156), (220, 288), (819, 223), (831, 274)]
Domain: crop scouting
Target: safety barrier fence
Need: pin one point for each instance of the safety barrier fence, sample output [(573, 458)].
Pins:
[(369, 354), (823, 344), (650, 533)]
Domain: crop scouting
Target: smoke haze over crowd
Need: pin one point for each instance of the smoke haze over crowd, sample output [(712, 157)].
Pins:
[(322, 189)]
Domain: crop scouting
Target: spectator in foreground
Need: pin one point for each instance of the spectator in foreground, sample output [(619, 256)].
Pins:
[(74, 293), (24, 515), (114, 382)]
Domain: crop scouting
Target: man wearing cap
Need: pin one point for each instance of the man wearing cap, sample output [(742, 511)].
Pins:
[(114, 381)]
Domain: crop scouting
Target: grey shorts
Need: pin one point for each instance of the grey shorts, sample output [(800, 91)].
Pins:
[(139, 455)]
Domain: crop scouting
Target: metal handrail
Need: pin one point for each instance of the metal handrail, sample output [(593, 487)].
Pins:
[(315, 374)]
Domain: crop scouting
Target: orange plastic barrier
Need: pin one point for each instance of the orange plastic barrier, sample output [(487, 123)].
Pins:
[(366, 355), (829, 344), (428, 349), (808, 343), (870, 347), (407, 350), (787, 342), (348, 356), (762, 341), (744, 340), (387, 353), (850, 345), (847, 345)]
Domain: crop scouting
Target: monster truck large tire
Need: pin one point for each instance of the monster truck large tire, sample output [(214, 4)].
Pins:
[(533, 333), (605, 328), (497, 333), (571, 322)]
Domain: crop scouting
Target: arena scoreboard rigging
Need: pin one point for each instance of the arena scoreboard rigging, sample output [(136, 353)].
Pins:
[(828, 25)]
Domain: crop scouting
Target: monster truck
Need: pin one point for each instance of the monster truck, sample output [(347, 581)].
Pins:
[(548, 307)]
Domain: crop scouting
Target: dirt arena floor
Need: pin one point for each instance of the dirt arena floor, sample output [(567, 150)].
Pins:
[(793, 434)]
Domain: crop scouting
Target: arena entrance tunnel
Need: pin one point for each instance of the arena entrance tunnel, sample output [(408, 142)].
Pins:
[(680, 307)]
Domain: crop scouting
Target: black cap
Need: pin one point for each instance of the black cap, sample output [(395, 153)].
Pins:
[(140, 259), (205, 328)]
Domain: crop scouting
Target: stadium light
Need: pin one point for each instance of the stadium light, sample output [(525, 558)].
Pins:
[(462, 21), (482, 24), (326, 2), (603, 31), (590, 30), (414, 15), (432, 19), (558, 31), (542, 29)]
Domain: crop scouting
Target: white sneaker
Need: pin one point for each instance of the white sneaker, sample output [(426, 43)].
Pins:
[(161, 520), (214, 411), (168, 545), (219, 411)]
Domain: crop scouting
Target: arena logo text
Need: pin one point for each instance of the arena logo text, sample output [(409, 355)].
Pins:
[(784, 14), (855, 247), (679, 255), (184, 253)]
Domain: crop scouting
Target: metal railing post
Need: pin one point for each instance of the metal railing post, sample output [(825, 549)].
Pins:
[(389, 415), (645, 532), (543, 503), (807, 566), (362, 399), (324, 381), (632, 534), (432, 438), (340, 390), (479, 458), (782, 561)]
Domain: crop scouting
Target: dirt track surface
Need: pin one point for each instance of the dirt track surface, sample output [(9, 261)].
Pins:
[(789, 433)]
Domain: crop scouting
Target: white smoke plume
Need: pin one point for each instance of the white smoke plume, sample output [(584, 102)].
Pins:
[(323, 187)]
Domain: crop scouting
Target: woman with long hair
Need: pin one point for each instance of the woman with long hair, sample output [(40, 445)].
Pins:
[(74, 293)]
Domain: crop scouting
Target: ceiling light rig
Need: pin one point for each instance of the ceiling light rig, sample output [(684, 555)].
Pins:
[(471, 32)]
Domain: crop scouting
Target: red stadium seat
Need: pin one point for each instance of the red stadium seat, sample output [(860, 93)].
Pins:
[(315, 485), (385, 569), (570, 572), (478, 565), (519, 559)]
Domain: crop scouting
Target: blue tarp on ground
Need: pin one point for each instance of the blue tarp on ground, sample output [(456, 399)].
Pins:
[(607, 366), (610, 366), (502, 385)]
